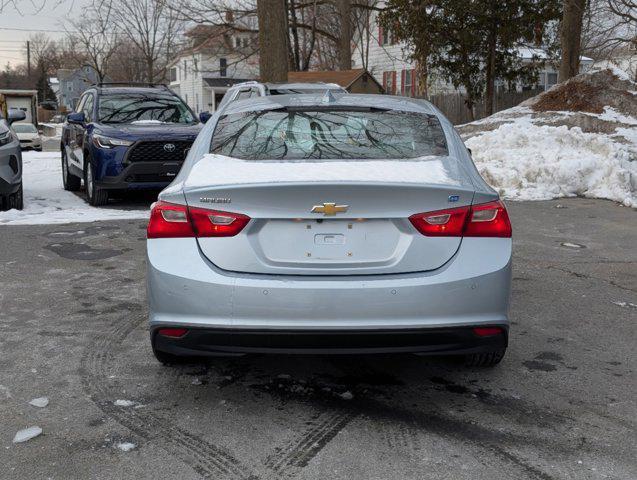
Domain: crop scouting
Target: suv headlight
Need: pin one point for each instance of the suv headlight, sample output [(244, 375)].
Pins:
[(6, 137), (101, 141)]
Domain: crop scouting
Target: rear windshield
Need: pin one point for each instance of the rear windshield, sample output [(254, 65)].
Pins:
[(143, 108), (328, 134)]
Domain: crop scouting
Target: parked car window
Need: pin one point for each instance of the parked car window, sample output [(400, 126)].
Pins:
[(80, 104), (88, 109), (143, 108), (328, 134), (24, 128)]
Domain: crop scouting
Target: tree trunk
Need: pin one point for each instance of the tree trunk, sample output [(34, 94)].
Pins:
[(490, 71), (273, 51), (345, 37), (570, 38)]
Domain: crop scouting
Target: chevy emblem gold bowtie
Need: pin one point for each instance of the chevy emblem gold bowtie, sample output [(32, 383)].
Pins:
[(329, 209)]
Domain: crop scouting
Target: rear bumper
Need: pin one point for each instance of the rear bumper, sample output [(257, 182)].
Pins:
[(185, 289), (431, 341)]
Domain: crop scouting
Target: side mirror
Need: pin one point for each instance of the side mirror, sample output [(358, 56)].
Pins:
[(204, 116), (76, 118), (15, 115)]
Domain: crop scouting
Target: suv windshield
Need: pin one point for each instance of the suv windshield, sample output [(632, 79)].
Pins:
[(143, 108), (24, 128), (328, 134)]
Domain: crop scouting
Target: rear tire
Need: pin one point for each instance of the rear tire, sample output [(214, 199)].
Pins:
[(95, 195), (71, 182), (486, 359)]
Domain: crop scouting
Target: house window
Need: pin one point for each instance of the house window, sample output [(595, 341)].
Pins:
[(237, 42), (245, 41), (173, 74), (408, 83), (389, 82), (385, 37), (223, 67), (551, 79), (185, 69)]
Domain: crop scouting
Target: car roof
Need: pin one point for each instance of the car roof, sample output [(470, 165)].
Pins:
[(124, 90), (304, 86), (389, 102)]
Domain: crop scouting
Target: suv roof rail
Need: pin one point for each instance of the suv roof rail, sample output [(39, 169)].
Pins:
[(131, 84)]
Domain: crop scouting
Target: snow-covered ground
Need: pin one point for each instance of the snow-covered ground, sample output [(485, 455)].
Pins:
[(46, 201)]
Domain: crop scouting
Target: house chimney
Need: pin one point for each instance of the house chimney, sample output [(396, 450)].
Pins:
[(229, 16)]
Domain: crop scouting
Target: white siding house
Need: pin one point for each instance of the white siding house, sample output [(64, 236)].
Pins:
[(217, 58)]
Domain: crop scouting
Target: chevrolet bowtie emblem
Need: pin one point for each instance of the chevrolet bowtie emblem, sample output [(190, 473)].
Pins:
[(329, 209)]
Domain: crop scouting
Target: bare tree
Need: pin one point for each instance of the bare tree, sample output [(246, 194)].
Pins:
[(94, 41), (571, 37), (273, 56), (150, 25), (345, 36)]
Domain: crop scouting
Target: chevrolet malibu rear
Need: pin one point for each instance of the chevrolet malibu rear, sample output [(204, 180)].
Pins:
[(303, 224)]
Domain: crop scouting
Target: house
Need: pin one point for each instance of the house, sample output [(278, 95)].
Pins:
[(388, 62), (25, 100), (354, 81), (72, 83), (624, 58), (218, 56)]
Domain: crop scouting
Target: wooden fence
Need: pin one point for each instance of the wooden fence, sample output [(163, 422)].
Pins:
[(454, 108)]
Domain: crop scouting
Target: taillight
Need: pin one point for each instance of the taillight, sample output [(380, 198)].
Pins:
[(211, 223), (168, 220), (488, 220), (483, 220), (443, 223)]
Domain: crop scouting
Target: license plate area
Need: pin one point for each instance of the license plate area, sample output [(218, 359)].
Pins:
[(328, 241)]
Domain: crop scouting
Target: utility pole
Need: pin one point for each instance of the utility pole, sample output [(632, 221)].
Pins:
[(28, 58)]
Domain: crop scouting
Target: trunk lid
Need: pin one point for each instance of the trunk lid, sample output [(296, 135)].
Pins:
[(305, 224)]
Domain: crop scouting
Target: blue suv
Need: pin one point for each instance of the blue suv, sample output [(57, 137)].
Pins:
[(126, 137)]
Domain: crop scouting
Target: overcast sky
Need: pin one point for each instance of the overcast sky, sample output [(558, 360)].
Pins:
[(28, 16)]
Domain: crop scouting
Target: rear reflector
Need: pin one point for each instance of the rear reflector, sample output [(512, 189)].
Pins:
[(487, 331), (172, 332), (168, 220), (483, 220)]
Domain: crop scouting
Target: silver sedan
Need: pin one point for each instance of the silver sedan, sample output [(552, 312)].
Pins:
[(329, 224)]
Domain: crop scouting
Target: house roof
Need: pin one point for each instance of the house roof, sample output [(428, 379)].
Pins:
[(210, 39), (344, 78), (528, 53)]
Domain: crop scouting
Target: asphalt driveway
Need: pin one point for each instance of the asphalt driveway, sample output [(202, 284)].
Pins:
[(561, 405)]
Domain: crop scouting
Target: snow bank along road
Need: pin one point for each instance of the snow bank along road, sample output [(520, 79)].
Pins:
[(46, 201), (560, 406)]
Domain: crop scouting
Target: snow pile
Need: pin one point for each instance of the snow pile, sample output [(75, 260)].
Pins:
[(588, 149), (40, 402), (46, 201), (125, 446), (530, 162), (26, 434)]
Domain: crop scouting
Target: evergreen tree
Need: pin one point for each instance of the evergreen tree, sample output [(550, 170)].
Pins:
[(471, 43)]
